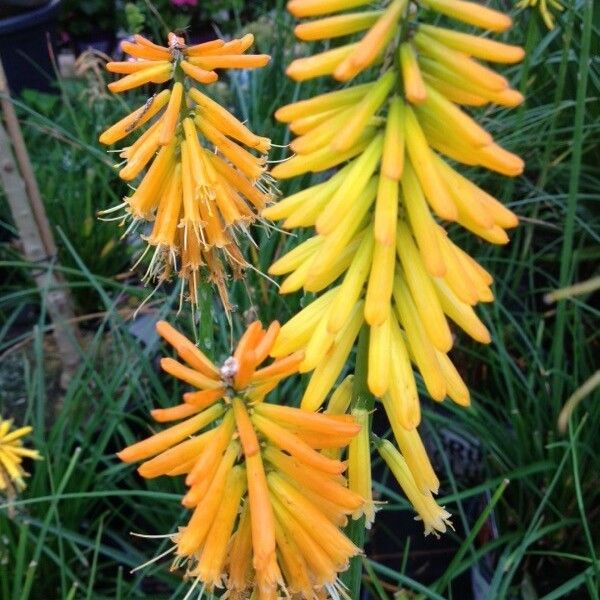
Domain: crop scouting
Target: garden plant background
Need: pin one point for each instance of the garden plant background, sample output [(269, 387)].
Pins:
[(524, 494)]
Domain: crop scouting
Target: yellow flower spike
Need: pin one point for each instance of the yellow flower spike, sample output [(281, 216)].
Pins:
[(414, 87), (323, 103), (472, 13), (462, 314), (320, 64), (381, 281), (421, 347), (435, 518), (315, 8), (386, 210), (421, 158), (349, 292), (422, 290), (379, 358), (364, 110), (12, 453), (353, 186), (476, 46), (422, 223), (325, 375), (403, 388), (359, 467), (392, 163), (135, 119), (338, 26), (373, 43)]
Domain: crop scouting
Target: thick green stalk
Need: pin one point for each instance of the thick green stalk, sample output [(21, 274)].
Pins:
[(361, 398)]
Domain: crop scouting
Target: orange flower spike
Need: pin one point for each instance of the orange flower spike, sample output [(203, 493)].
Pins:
[(291, 443), (282, 367), (187, 350), (191, 376), (169, 437)]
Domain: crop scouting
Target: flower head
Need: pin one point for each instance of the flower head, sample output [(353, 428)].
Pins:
[(267, 504), (381, 253), (12, 453), (202, 170), (545, 7)]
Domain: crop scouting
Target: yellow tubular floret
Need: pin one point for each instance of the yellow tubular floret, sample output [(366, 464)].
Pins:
[(337, 26), (472, 13), (315, 8), (414, 87)]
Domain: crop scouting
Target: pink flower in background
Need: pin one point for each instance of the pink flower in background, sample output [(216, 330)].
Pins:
[(184, 2)]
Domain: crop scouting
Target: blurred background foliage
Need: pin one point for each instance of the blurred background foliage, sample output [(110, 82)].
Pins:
[(68, 536)]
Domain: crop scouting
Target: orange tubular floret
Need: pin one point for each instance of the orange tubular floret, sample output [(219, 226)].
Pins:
[(239, 182), (243, 61), (262, 349), (186, 350), (188, 375), (174, 413), (204, 398), (200, 49), (171, 115), (145, 52), (309, 420), (131, 66), (244, 353), (158, 74), (286, 440), (142, 41), (200, 75), (262, 520), (281, 367), (175, 456), (169, 437), (245, 430)]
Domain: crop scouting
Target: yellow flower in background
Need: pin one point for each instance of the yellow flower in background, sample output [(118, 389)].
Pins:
[(387, 151), (202, 170), (12, 453), (268, 501), (546, 8)]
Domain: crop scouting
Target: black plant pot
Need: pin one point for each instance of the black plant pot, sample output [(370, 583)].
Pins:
[(25, 41)]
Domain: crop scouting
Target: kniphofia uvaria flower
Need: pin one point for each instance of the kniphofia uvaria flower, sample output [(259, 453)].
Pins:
[(267, 495), (389, 151), (12, 453), (200, 171)]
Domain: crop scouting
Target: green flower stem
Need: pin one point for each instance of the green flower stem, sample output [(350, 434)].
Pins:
[(361, 398)]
